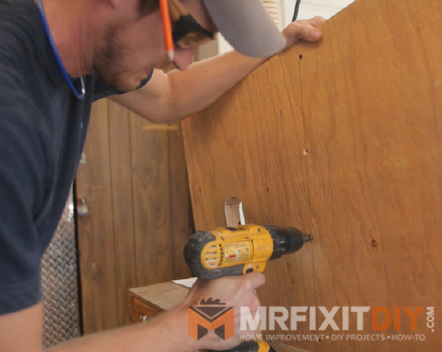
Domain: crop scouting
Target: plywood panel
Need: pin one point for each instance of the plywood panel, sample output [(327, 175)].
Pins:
[(235, 161), (340, 139)]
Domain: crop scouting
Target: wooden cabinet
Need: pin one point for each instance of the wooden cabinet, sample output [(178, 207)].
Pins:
[(148, 301)]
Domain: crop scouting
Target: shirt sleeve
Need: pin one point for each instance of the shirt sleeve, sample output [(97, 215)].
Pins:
[(22, 166)]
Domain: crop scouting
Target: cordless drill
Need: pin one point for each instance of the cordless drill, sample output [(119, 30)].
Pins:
[(238, 251)]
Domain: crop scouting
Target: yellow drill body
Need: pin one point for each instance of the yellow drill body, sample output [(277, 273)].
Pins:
[(237, 251), (240, 250), (248, 245)]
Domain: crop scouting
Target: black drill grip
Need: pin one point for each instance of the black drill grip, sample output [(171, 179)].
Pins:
[(192, 255)]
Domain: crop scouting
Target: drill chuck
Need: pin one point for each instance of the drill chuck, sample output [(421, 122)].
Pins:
[(287, 240)]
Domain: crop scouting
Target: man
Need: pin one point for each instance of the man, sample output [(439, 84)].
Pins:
[(56, 57)]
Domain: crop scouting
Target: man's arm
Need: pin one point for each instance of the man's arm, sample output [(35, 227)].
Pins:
[(21, 331), (178, 94)]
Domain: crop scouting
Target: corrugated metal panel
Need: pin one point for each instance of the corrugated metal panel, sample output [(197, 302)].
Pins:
[(60, 283)]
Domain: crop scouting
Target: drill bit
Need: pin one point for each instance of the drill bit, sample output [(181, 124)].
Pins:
[(308, 238)]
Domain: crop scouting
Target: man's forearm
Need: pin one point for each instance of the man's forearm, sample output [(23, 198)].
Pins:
[(174, 96), (167, 332), (171, 97), (21, 331), (206, 81)]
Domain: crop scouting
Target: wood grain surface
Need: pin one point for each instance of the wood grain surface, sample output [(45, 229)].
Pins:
[(96, 241), (341, 139), (133, 179)]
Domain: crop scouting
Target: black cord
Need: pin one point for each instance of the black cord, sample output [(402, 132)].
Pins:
[(295, 15)]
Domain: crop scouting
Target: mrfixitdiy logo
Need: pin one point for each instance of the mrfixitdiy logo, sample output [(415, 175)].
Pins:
[(211, 315), (376, 323), (367, 323)]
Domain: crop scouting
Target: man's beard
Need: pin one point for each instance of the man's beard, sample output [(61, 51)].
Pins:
[(110, 63)]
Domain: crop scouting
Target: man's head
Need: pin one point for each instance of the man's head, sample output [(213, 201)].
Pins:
[(131, 47), (244, 23)]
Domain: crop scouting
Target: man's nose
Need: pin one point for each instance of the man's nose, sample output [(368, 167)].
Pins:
[(183, 58)]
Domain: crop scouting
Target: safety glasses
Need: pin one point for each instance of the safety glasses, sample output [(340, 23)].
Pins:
[(180, 27)]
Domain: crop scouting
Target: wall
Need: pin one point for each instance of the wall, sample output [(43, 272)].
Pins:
[(282, 13), (133, 181), (312, 8)]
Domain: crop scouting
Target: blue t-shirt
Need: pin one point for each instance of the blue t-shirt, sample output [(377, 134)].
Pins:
[(42, 133)]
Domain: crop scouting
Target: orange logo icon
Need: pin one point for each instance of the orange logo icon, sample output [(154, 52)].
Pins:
[(209, 315)]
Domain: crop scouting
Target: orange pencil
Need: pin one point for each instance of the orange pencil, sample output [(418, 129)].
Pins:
[(167, 28)]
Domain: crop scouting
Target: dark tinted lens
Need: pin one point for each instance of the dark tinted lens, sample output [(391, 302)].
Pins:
[(187, 33)]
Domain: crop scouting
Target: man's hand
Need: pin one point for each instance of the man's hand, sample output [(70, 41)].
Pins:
[(236, 292), (303, 30)]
